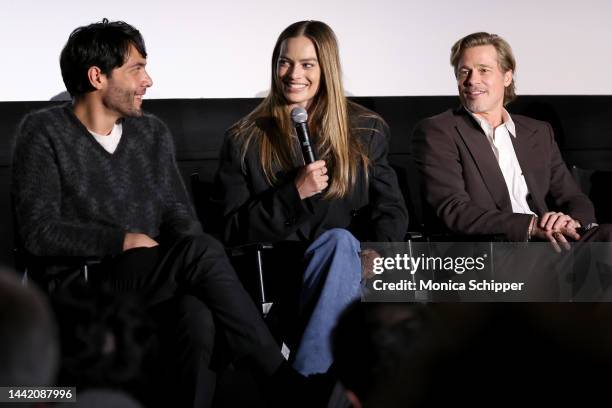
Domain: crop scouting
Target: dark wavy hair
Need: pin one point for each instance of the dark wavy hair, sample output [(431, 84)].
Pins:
[(105, 45)]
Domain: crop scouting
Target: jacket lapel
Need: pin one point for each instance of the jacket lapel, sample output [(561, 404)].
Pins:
[(482, 154), (525, 148)]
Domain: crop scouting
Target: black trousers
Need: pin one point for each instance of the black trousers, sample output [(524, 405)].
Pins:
[(190, 287)]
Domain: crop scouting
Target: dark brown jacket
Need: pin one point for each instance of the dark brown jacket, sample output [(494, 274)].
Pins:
[(464, 185)]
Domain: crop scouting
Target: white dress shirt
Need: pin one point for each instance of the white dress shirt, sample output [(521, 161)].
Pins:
[(501, 144)]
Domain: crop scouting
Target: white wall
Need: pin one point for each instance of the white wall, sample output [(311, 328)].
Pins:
[(222, 48)]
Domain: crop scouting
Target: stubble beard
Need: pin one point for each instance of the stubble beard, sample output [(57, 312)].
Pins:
[(473, 106), (123, 102)]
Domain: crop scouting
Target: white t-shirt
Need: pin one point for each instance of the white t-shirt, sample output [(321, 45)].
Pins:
[(109, 142)]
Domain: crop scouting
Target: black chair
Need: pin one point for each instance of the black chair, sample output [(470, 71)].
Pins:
[(595, 183), (424, 225), (409, 183), (64, 268), (46, 271), (243, 257)]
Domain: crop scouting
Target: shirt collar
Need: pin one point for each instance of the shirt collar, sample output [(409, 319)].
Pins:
[(488, 129)]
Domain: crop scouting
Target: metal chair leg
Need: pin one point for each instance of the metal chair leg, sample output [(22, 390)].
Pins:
[(24, 278), (265, 305)]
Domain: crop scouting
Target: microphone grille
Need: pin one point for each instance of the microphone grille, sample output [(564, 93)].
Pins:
[(299, 115)]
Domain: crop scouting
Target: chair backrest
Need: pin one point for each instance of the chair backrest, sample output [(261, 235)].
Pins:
[(580, 122), (595, 184), (207, 210), (409, 183)]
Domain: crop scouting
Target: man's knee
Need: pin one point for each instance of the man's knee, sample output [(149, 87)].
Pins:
[(203, 245), (604, 233)]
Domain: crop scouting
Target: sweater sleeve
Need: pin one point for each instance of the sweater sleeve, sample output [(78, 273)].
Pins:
[(389, 214), (37, 199), (178, 216), (269, 216)]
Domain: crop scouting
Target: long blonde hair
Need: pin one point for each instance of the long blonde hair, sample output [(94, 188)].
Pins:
[(269, 125)]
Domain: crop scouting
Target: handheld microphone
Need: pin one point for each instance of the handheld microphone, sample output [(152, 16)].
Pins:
[(299, 117)]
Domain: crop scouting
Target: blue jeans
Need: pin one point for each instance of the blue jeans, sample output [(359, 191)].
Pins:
[(331, 281)]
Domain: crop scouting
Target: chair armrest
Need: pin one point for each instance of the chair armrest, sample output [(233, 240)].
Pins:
[(36, 267), (451, 237), (415, 236), (245, 249), (22, 257)]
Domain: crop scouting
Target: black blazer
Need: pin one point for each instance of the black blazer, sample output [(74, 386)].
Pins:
[(465, 186), (257, 211)]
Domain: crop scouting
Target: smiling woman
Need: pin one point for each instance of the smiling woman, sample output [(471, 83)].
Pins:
[(269, 194), (298, 70)]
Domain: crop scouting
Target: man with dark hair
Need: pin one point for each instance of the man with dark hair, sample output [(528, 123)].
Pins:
[(112, 40), (98, 177), (488, 172)]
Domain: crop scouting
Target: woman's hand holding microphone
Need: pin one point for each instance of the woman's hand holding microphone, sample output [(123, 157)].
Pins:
[(312, 179)]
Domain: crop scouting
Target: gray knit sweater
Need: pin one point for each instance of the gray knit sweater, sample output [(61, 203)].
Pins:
[(72, 197)]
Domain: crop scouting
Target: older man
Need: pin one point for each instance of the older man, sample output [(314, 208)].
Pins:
[(488, 172)]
